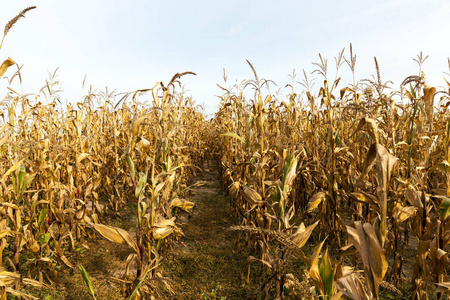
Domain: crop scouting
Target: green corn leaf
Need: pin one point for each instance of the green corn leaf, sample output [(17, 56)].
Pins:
[(138, 285), (25, 183), (290, 168), (130, 164), (141, 184), (14, 180), (142, 208), (21, 176), (444, 208), (413, 92), (41, 218), (87, 281), (327, 275)]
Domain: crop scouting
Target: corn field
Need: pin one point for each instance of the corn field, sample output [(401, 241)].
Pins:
[(352, 182)]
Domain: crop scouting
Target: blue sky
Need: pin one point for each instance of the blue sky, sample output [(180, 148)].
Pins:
[(129, 45)]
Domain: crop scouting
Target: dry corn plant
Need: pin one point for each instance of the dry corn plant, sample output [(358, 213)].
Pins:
[(364, 156), (260, 175), (70, 169), (155, 219)]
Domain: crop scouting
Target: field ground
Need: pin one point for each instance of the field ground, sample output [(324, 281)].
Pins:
[(207, 263)]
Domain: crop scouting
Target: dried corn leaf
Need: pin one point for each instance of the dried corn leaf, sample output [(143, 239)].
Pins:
[(364, 238), (302, 235), (315, 200), (116, 235), (183, 204), (371, 126), (5, 65), (81, 157), (13, 168), (161, 233), (252, 196), (364, 197), (428, 98), (413, 198), (353, 288), (402, 213), (314, 264)]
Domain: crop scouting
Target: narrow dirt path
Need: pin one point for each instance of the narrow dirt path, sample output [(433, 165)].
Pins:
[(206, 262)]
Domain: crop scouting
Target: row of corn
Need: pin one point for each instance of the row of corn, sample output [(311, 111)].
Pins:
[(349, 180), (67, 171)]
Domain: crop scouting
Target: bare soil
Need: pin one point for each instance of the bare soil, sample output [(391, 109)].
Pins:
[(207, 262)]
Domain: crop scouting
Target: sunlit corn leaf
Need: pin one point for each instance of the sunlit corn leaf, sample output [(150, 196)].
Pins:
[(32, 244), (402, 213), (315, 200), (290, 168), (23, 181), (130, 164), (4, 233), (413, 198), (364, 197), (163, 223), (385, 164), (21, 175), (81, 157), (343, 90), (327, 275), (301, 236), (368, 162), (17, 293), (250, 194), (443, 287), (323, 277), (13, 206), (342, 149), (8, 278), (234, 135), (142, 209), (13, 168), (41, 218), (183, 204), (347, 250), (234, 189), (439, 258), (145, 146), (141, 184), (161, 233), (159, 187), (5, 65), (117, 235), (163, 228), (314, 262), (5, 135), (428, 98)]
